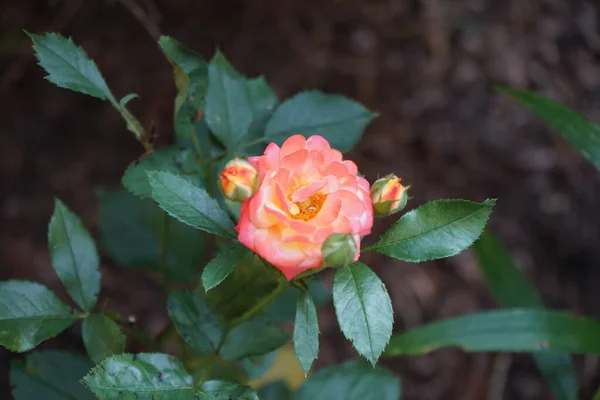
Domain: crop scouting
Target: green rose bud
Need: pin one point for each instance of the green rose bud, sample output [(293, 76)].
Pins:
[(339, 249)]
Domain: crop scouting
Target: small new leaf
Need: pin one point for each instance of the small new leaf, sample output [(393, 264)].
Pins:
[(127, 98), (306, 331), (74, 256), (102, 337), (29, 314), (363, 308), (68, 66)]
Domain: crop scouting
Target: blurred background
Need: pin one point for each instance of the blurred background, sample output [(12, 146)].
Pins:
[(426, 66)]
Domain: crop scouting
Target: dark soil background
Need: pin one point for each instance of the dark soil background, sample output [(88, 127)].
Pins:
[(427, 66)]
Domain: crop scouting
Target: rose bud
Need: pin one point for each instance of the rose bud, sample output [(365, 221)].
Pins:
[(238, 180), (388, 195), (339, 249)]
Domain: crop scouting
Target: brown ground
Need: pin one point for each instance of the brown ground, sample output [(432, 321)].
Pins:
[(426, 66)]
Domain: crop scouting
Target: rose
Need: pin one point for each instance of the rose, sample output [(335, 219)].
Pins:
[(306, 193)]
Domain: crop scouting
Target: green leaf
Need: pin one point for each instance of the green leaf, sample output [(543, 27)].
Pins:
[(68, 66), (363, 308), (511, 288), (50, 375), (127, 98), (233, 102), (597, 395), (350, 381), (574, 127), (166, 159), (559, 371), (338, 119), (256, 134), (275, 391), (255, 367), (130, 230), (513, 330), (209, 368), (251, 287), (74, 256), (253, 338), (190, 204), (283, 308), (102, 337), (219, 390), (223, 264), (507, 282), (133, 125), (29, 314), (437, 229), (146, 376), (190, 71), (262, 97), (306, 331), (195, 321), (156, 377)]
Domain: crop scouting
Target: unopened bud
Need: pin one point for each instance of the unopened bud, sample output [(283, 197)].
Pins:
[(388, 195), (238, 180), (339, 249)]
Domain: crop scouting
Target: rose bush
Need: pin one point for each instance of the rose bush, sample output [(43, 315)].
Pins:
[(306, 192), (300, 207)]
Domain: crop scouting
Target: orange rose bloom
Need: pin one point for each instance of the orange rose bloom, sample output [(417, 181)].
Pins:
[(306, 192)]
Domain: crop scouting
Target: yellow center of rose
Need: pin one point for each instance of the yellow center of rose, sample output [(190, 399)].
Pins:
[(309, 208)]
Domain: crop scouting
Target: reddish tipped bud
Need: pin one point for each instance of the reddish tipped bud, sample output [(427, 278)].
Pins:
[(238, 180), (388, 195)]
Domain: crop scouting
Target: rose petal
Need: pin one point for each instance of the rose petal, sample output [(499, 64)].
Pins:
[(292, 145)]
